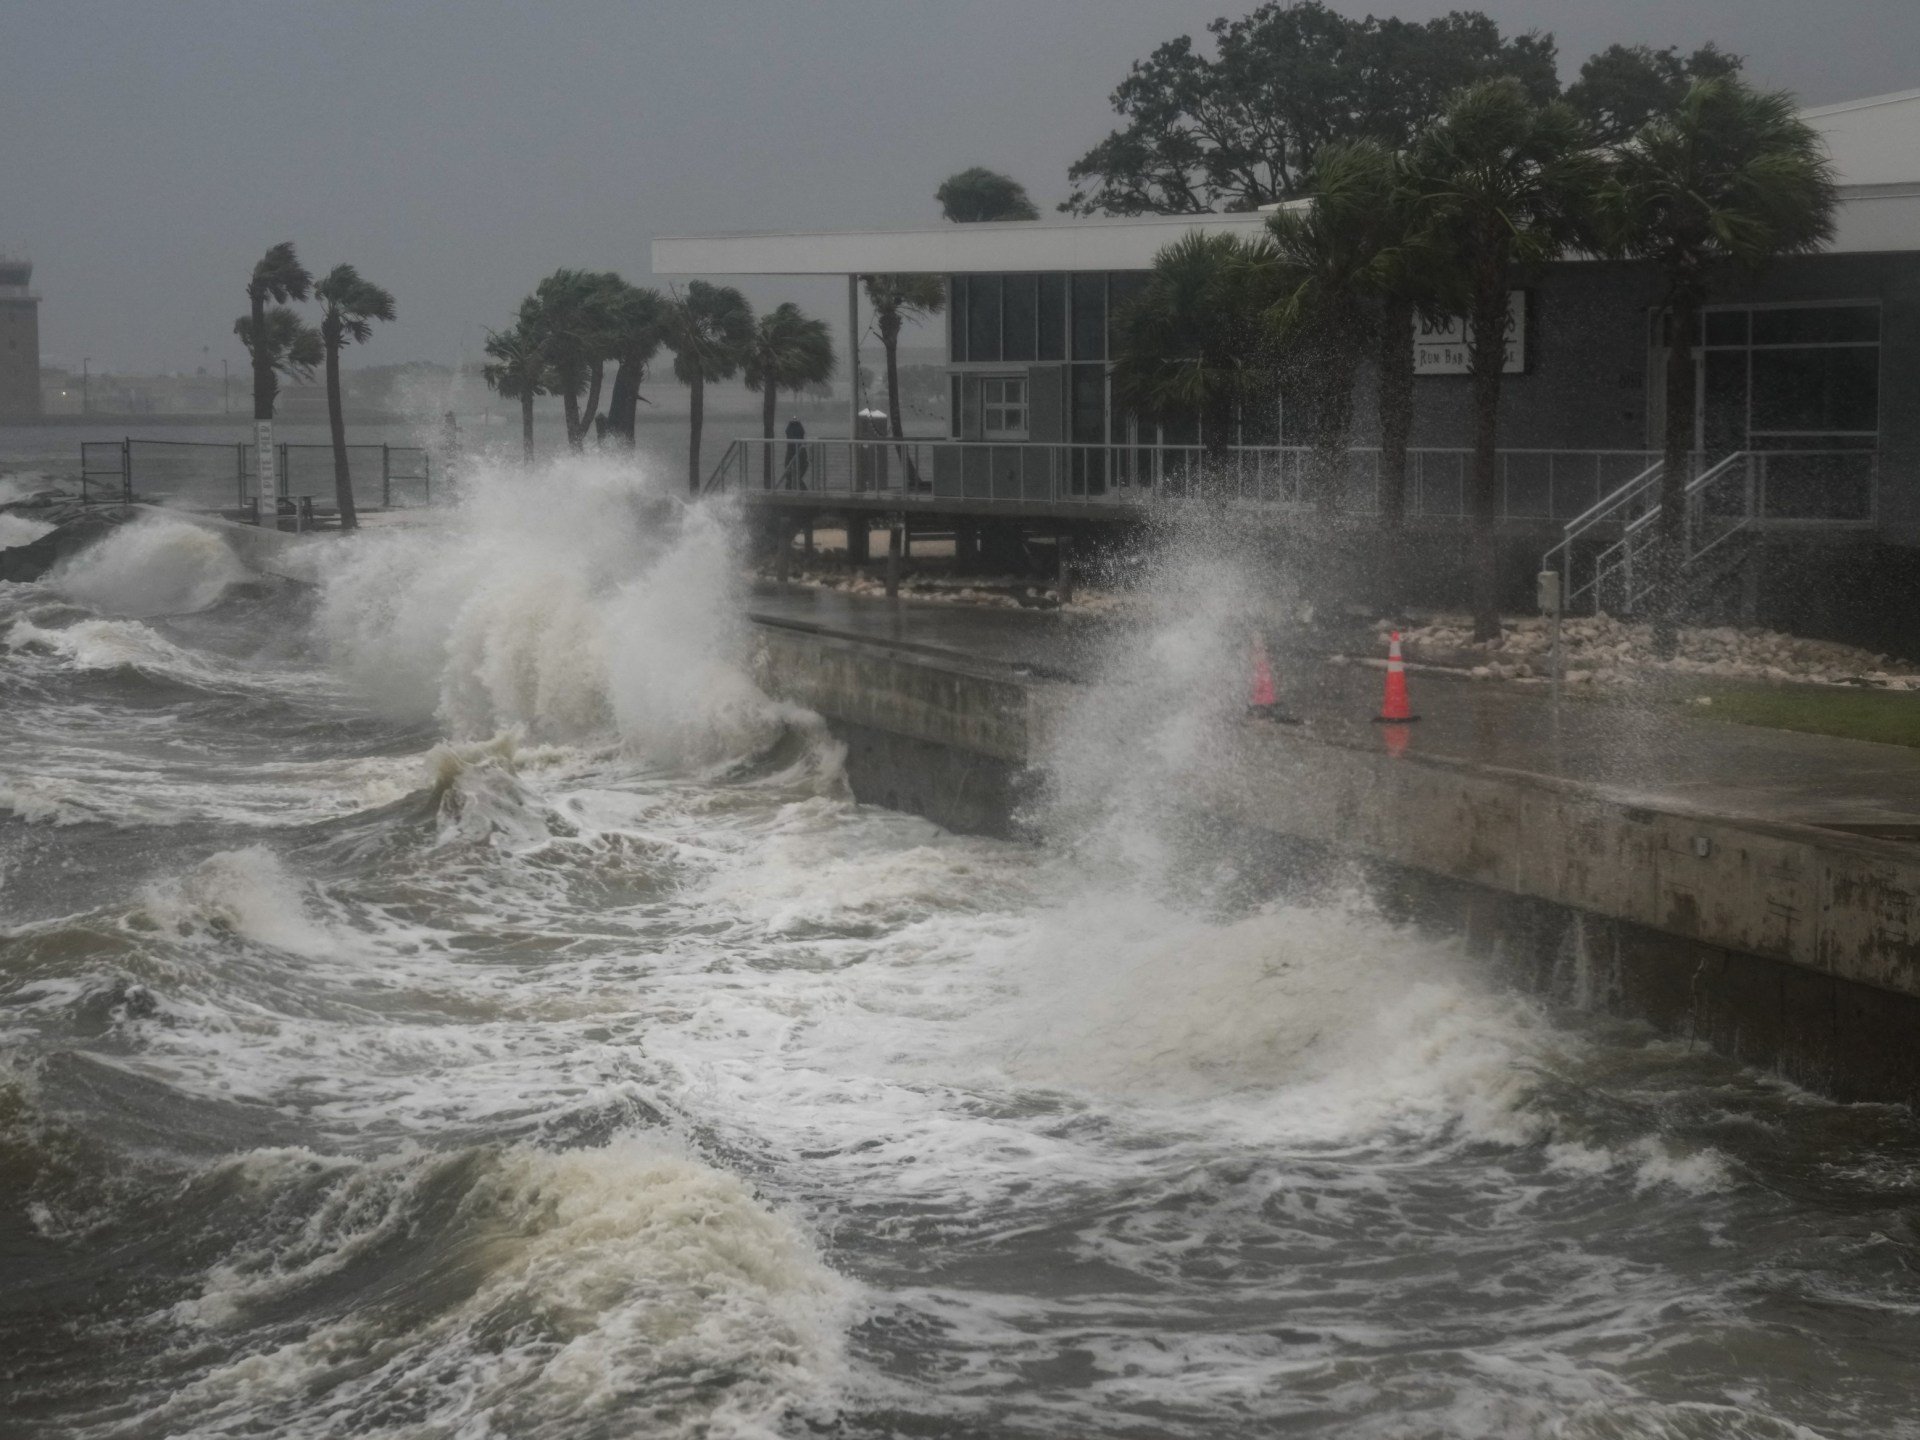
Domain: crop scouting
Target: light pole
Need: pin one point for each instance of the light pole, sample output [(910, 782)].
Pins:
[(226, 404), (85, 360)]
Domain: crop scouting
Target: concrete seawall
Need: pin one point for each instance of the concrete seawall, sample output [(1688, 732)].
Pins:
[(1784, 945)]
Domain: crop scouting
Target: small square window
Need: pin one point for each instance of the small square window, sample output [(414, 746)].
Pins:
[(1003, 401)]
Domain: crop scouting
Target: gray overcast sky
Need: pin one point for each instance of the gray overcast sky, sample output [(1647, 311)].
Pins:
[(457, 151)]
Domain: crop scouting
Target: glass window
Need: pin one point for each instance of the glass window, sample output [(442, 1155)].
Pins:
[(1123, 288), (954, 411), (957, 319), (983, 317), (1816, 390), (1016, 333), (1053, 317), (1003, 402), (1727, 327), (1088, 420), (1723, 402), (1090, 317), (1840, 324)]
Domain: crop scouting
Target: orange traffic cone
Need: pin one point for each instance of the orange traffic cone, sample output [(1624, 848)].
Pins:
[(1262, 702), (1394, 708), (1262, 697)]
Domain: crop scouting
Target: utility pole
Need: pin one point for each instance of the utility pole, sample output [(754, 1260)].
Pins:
[(226, 403), (85, 408)]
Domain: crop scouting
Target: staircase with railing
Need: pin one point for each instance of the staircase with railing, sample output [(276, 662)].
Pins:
[(1718, 509)]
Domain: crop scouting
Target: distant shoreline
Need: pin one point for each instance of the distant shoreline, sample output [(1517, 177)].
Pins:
[(182, 417)]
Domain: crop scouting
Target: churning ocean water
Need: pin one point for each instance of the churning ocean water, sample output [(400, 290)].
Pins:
[(451, 1000)]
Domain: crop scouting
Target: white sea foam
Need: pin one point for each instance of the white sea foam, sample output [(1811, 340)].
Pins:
[(248, 894), (22, 484), (110, 644), (154, 566), (631, 1284), (20, 530)]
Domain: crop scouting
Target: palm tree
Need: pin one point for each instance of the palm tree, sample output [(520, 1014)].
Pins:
[(1328, 262), (708, 329), (517, 370), (1193, 342), (894, 299), (572, 313), (789, 351), (1726, 182), (279, 277), (1506, 185), (349, 305), (633, 334), (1416, 277)]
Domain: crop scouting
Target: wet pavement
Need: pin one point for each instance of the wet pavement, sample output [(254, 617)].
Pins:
[(1643, 750)]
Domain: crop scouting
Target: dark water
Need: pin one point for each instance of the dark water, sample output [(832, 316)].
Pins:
[(455, 1003)]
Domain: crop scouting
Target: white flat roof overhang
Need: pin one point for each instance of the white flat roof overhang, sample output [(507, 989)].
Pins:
[(1128, 244), (1870, 218)]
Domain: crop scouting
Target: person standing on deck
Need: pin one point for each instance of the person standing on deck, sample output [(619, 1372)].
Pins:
[(793, 475)]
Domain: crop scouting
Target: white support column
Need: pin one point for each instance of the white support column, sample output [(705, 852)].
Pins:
[(853, 360)]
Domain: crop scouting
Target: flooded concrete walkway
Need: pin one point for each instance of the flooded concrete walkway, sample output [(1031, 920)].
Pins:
[(1638, 750)]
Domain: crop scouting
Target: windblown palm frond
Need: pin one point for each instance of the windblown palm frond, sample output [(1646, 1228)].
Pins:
[(708, 328), (349, 306), (1730, 180), (279, 276), (789, 351), (293, 347), (1194, 342), (517, 366)]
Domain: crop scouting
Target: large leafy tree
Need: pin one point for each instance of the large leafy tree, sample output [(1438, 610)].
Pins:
[(708, 328), (633, 321), (979, 194), (573, 312), (896, 299), (789, 351), (349, 304), (1238, 129), (517, 369), (1624, 86), (1328, 250), (1719, 187), (1506, 185), (280, 277), (1193, 343)]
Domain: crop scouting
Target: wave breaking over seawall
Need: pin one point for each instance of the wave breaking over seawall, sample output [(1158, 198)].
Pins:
[(568, 602)]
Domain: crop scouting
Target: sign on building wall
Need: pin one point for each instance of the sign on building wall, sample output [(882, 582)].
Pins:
[(1440, 347)]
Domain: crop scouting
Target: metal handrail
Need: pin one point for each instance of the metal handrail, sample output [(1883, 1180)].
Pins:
[(1534, 482), (1640, 533)]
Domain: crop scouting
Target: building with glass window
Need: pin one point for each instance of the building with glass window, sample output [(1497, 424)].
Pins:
[(1811, 376), (19, 341)]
